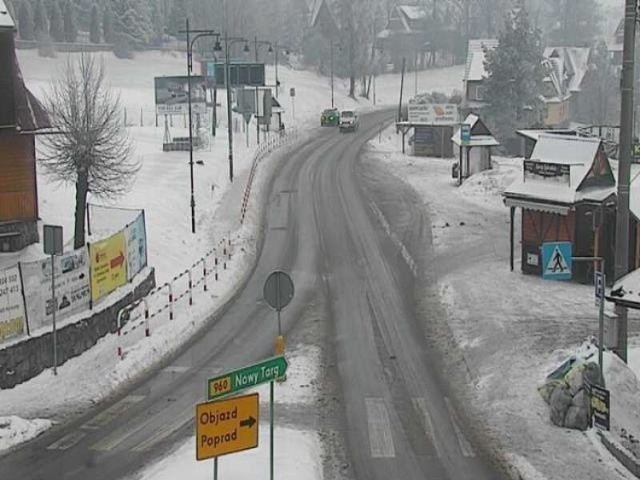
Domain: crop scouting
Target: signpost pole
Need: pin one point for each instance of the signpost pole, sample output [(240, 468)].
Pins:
[(271, 414), (54, 306), (601, 322), (215, 468)]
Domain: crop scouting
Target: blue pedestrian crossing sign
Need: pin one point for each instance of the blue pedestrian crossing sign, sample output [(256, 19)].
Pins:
[(556, 260)]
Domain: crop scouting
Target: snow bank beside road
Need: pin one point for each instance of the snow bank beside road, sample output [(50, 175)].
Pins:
[(15, 430)]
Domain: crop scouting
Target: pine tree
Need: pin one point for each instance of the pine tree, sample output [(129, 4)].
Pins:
[(40, 20), (574, 22), (514, 75), (94, 28), (25, 22), (107, 25), (70, 27), (158, 21), (132, 21), (56, 27)]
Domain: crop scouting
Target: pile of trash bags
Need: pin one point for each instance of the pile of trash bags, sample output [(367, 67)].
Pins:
[(566, 389)]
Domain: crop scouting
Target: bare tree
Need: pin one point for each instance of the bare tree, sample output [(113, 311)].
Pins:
[(91, 148)]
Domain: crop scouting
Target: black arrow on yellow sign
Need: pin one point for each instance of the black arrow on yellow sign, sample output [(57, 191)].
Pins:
[(249, 422)]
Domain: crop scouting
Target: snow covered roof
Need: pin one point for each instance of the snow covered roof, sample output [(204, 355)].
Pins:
[(476, 140), (580, 155), (534, 134), (566, 69), (6, 22), (475, 70), (413, 12), (626, 291)]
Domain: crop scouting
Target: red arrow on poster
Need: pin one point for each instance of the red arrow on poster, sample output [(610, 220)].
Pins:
[(118, 261)]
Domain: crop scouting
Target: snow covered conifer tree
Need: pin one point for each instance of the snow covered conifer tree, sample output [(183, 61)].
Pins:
[(514, 75), (25, 22), (56, 28), (69, 22), (94, 28)]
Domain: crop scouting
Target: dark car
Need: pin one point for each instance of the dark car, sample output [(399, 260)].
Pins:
[(329, 118)]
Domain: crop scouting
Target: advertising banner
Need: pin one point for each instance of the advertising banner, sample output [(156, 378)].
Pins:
[(136, 238), (73, 292), (12, 318), (108, 265), (172, 97), (240, 73), (433, 114)]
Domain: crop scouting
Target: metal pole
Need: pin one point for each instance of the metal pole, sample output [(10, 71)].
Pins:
[(54, 307), (215, 468), (601, 325), (271, 427), (416, 79), (332, 74), (257, 120), (277, 81), (404, 63), (193, 200), (624, 168), (229, 127)]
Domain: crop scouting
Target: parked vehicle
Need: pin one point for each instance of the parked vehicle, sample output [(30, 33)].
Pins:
[(349, 121), (329, 118)]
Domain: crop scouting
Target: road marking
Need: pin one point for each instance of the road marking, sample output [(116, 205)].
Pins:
[(164, 432), (380, 438), (67, 441), (420, 404), (116, 438), (465, 446), (396, 241), (112, 412), (175, 369)]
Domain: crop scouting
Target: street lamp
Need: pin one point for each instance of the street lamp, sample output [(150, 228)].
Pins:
[(190, 42), (340, 48), (228, 43), (256, 48), (276, 48)]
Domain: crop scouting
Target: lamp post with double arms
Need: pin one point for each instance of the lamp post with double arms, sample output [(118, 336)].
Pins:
[(257, 44), (190, 43), (276, 49), (228, 43)]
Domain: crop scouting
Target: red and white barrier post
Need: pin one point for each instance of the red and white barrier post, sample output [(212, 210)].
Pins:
[(121, 313), (204, 268), (170, 287), (147, 330)]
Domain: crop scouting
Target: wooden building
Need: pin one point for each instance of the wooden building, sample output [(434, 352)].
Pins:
[(475, 155), (21, 115), (566, 193)]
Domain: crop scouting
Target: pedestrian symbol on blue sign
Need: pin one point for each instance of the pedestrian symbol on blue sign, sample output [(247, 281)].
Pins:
[(556, 261)]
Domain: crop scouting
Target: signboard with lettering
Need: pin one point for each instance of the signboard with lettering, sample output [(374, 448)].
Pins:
[(433, 114), (227, 426), (555, 172), (172, 95), (600, 407), (232, 382), (12, 318), (240, 73)]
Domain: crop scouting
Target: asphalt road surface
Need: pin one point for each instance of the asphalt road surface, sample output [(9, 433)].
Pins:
[(325, 228)]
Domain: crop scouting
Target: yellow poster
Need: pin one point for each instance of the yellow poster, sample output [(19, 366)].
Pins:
[(108, 265)]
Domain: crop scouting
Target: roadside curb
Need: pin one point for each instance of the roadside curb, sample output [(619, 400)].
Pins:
[(623, 455)]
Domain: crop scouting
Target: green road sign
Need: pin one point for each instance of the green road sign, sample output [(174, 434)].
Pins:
[(232, 382)]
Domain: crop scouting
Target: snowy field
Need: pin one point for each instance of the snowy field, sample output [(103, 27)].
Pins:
[(510, 329), (162, 189)]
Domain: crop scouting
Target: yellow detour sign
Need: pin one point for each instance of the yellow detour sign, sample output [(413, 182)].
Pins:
[(226, 426), (108, 265)]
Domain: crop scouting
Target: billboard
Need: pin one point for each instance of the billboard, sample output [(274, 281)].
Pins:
[(12, 317), (72, 287), (240, 73), (172, 96), (433, 114), (108, 265), (136, 238)]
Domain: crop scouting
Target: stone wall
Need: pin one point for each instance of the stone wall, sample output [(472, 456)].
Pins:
[(26, 359), (28, 234)]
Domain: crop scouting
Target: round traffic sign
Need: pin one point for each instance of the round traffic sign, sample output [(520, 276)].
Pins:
[(278, 290)]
